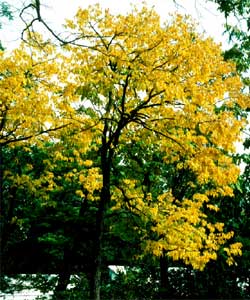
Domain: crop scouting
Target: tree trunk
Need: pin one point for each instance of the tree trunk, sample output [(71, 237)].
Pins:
[(109, 143), (164, 284), (106, 157), (64, 277), (98, 254), (7, 207), (63, 281)]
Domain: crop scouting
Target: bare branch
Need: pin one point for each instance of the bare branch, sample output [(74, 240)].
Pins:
[(25, 138)]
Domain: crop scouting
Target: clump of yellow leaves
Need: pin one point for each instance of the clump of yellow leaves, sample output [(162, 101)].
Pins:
[(27, 85), (129, 77), (184, 232), (91, 181)]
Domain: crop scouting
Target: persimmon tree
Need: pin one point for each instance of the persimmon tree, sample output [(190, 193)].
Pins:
[(122, 79)]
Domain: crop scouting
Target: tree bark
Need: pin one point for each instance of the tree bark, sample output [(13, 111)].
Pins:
[(63, 281), (64, 276), (106, 157), (164, 284), (96, 285), (109, 143)]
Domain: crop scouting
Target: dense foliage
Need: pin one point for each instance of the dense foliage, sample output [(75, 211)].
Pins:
[(118, 148)]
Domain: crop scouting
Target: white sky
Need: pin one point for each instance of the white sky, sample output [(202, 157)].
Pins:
[(55, 11)]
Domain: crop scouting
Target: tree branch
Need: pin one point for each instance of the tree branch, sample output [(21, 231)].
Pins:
[(25, 138)]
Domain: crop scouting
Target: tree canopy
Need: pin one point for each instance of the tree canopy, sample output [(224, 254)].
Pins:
[(136, 122)]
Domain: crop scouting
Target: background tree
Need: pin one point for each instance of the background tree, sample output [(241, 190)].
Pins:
[(5, 12), (237, 14)]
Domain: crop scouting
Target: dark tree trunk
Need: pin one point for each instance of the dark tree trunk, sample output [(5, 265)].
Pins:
[(63, 281), (96, 285), (109, 142), (164, 284), (7, 207), (1, 208), (106, 157), (64, 276)]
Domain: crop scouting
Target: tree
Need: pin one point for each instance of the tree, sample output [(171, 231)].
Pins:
[(30, 114), (237, 214), (5, 12), (143, 84), (32, 222), (127, 78), (237, 15), (27, 110)]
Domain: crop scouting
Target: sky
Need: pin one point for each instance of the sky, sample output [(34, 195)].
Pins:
[(55, 11)]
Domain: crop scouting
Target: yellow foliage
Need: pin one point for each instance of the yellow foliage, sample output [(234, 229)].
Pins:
[(185, 233), (133, 79), (91, 181)]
